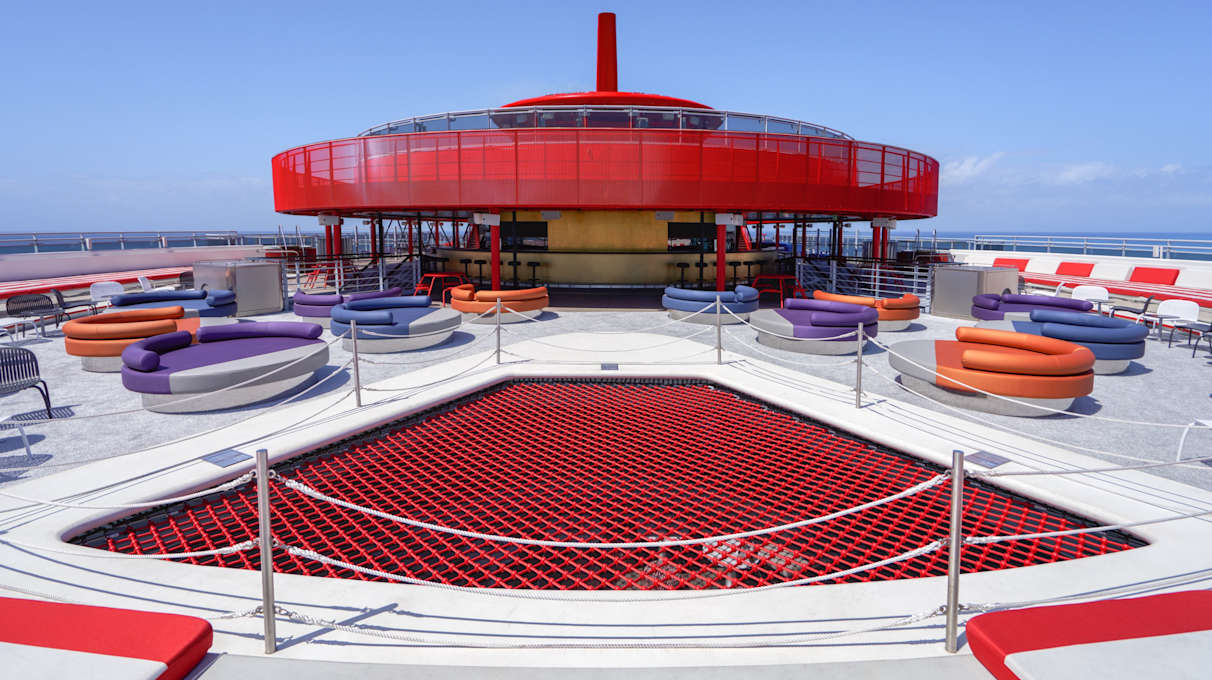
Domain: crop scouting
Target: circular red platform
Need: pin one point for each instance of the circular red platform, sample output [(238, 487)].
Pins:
[(611, 462)]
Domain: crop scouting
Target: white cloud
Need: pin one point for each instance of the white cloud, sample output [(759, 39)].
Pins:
[(1170, 169), (967, 169), (1081, 173)]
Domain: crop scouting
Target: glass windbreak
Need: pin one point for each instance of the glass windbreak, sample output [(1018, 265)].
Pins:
[(523, 236), (613, 117), (691, 236)]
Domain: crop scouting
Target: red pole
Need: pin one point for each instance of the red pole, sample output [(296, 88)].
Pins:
[(337, 246), (327, 239), (410, 237), (495, 240), (608, 62), (721, 242)]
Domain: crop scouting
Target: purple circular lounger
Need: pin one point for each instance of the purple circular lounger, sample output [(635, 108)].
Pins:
[(815, 326), (990, 307), (275, 358), (317, 307)]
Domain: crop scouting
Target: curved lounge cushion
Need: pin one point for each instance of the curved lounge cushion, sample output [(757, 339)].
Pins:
[(904, 308), (741, 300), (106, 335), (819, 319), (465, 298), (1107, 337), (317, 305), (994, 307), (209, 303), (224, 355), (395, 316), (1000, 362)]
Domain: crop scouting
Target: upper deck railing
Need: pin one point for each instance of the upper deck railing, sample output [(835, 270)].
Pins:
[(83, 241), (626, 117), (1180, 248)]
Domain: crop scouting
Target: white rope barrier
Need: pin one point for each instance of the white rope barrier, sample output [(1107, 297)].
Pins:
[(845, 336), (417, 388), (429, 358), (794, 358), (636, 642), (672, 341), (615, 596), (1034, 406), (982, 540), (105, 554), (313, 493), (238, 481)]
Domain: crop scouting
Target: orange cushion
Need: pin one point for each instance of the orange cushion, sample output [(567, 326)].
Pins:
[(949, 356), (507, 295), (851, 299), (906, 301)]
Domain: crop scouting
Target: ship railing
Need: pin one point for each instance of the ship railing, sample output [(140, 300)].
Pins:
[(865, 278), (84, 241), (1162, 248)]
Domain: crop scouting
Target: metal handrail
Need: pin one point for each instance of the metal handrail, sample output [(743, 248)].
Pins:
[(801, 128), (1134, 246)]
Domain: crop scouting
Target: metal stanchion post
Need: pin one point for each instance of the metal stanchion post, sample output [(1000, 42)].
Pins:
[(267, 552), (498, 330), (353, 332), (719, 344), (832, 276), (953, 553), (858, 368)]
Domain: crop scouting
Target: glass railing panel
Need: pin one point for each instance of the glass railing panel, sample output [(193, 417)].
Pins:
[(653, 118), (509, 118), (471, 121), (432, 124), (783, 127), (702, 121), (607, 118), (739, 122), (564, 119)]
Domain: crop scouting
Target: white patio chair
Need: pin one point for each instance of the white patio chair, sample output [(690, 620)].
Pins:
[(148, 287), (1186, 316), (1094, 294), (102, 291)]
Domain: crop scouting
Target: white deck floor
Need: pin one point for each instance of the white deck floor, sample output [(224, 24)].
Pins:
[(1167, 386)]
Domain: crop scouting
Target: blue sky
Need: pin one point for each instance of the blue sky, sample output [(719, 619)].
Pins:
[(1046, 116)]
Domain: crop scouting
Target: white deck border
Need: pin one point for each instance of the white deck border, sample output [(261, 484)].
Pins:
[(1177, 557)]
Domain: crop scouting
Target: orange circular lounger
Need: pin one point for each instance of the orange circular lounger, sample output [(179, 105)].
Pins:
[(895, 313), (99, 340), (1032, 369), (522, 305)]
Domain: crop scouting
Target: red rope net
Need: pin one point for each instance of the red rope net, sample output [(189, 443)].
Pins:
[(610, 462)]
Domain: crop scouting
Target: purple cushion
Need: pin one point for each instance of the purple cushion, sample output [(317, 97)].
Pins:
[(830, 313), (144, 355), (390, 292), (987, 301), (1048, 301), (260, 329), (194, 356), (803, 326), (312, 311), (317, 300)]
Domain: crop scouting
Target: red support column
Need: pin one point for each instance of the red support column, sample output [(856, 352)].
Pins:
[(327, 240), (337, 246), (495, 241), (721, 245), (410, 252)]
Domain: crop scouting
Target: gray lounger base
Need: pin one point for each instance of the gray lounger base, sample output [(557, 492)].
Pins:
[(239, 396), (1110, 366), (506, 317), (707, 318), (324, 321), (809, 345), (981, 402), (102, 364), (396, 344), (894, 325)]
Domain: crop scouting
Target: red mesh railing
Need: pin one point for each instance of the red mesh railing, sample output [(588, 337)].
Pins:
[(582, 168), (611, 462)]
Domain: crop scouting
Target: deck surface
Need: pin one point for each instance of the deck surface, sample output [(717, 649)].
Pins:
[(1167, 385)]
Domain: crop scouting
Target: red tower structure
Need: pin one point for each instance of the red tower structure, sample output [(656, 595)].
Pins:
[(608, 187)]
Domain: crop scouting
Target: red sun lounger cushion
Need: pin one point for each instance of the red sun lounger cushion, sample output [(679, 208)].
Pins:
[(1020, 265), (81, 641), (1074, 269), (1162, 275), (1003, 641)]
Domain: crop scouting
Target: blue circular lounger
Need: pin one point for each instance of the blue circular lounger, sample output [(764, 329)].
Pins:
[(275, 357), (815, 326), (212, 306), (683, 303), (1115, 342), (394, 324)]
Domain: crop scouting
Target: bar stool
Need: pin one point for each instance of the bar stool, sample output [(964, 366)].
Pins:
[(466, 262), (480, 272), (534, 277), (748, 267), (514, 264), (702, 266), (735, 264), (682, 267), (441, 263)]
